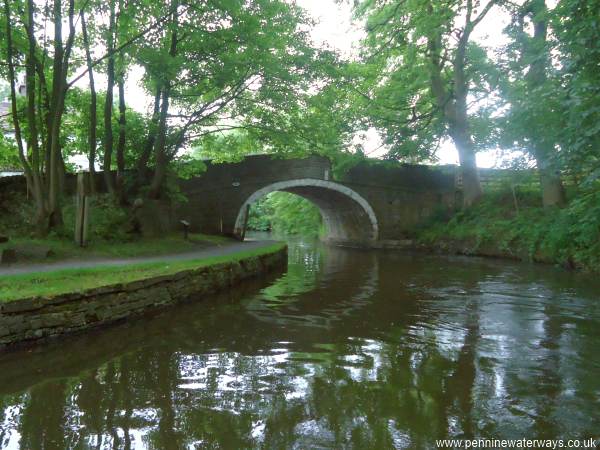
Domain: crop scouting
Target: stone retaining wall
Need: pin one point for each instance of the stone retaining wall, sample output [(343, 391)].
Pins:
[(43, 317)]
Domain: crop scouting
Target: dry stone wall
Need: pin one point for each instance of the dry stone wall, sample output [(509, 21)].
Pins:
[(38, 318)]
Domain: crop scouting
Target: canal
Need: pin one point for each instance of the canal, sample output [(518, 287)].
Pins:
[(346, 349)]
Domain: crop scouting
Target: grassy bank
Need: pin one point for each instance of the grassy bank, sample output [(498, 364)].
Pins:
[(15, 287), (62, 249), (507, 226)]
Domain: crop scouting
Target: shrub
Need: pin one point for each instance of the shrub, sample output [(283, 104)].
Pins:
[(108, 220), (569, 236)]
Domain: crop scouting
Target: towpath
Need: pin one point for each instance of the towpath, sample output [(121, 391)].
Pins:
[(217, 250)]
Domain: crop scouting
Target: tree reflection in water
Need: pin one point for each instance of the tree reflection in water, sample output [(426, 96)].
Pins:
[(349, 348)]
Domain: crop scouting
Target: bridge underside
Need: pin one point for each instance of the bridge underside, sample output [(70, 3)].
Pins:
[(347, 217), (345, 220)]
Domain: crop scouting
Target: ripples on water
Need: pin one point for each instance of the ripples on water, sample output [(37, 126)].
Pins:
[(347, 349)]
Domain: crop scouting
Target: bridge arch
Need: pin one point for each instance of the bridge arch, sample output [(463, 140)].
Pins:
[(347, 216)]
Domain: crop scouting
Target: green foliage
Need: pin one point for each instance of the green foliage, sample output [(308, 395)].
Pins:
[(8, 153), (414, 70), (108, 221), (16, 214), (574, 234), (342, 162), (228, 146), (569, 236), (534, 127), (244, 72), (76, 124), (578, 30), (286, 214), (4, 90)]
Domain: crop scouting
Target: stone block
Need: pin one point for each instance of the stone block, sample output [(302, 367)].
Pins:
[(4, 331), (103, 290), (20, 328), (19, 306), (53, 320)]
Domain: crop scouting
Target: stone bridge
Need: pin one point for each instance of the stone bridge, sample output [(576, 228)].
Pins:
[(370, 203)]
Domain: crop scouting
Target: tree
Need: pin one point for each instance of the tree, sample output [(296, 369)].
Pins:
[(43, 165), (210, 66), (285, 213), (77, 123), (220, 67), (534, 91), (92, 126), (108, 103), (576, 25), (426, 72), (47, 63)]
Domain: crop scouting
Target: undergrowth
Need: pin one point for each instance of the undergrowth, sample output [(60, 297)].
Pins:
[(569, 236)]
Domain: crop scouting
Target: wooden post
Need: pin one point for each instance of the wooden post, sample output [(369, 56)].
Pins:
[(186, 228), (220, 218), (82, 209), (245, 222), (512, 186)]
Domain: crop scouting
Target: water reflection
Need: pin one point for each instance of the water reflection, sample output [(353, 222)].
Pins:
[(347, 349)]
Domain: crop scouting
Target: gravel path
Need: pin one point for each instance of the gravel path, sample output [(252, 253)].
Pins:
[(226, 249)]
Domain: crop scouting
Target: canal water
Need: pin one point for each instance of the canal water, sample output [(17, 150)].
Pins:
[(346, 349)]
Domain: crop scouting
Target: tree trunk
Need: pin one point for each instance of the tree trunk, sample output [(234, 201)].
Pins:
[(54, 209), (553, 193), (142, 163), (120, 181), (55, 118), (42, 113), (452, 102), (93, 106), (160, 169), (59, 89), (108, 105), (160, 149), (37, 183), (121, 141), (45, 123), (41, 211), (471, 185)]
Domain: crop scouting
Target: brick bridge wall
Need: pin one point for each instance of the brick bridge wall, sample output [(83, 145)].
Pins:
[(370, 202)]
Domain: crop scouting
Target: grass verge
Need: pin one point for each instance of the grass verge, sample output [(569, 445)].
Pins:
[(64, 249), (14, 287)]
